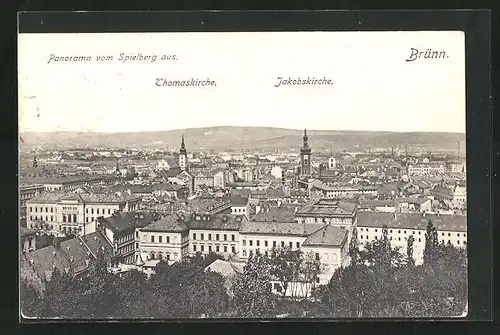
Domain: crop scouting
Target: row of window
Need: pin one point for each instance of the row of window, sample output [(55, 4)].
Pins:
[(266, 244), (160, 239), (266, 253), (217, 248), (126, 249), (41, 209), (412, 232), (98, 211), (419, 239), (217, 237)]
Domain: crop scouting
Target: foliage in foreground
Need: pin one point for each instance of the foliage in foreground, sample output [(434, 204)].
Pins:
[(379, 282)]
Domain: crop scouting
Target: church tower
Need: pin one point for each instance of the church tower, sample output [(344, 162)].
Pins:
[(305, 157), (35, 163), (183, 155)]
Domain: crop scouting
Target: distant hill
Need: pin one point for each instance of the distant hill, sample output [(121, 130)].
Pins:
[(246, 138)]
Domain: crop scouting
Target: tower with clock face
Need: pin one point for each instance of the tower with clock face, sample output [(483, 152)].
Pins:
[(183, 155), (305, 157)]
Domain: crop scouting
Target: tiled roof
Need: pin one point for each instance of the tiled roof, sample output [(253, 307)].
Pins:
[(218, 222), (277, 214), (118, 222), (328, 236), (170, 223), (54, 197), (205, 205), (412, 221), (275, 193), (278, 228), (367, 203), (239, 201), (413, 200), (328, 207), (226, 268), (96, 242), (62, 179)]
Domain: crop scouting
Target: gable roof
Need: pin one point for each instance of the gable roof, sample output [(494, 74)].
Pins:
[(278, 228), (278, 214), (217, 222), (329, 207), (170, 223), (412, 221), (328, 236)]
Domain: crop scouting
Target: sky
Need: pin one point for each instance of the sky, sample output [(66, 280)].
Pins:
[(374, 87)]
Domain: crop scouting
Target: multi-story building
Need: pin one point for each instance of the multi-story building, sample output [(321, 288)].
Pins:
[(119, 229), (167, 239), (217, 233), (240, 205), (425, 169), (69, 212), (27, 192), (317, 188), (65, 183), (450, 228), (328, 211), (327, 244)]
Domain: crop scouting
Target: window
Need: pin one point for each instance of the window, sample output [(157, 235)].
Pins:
[(109, 211), (464, 235), (244, 242), (282, 244), (202, 248), (98, 211), (217, 237), (265, 243), (92, 212), (361, 229), (419, 239), (404, 232), (137, 245), (361, 236), (419, 232), (217, 248), (458, 242), (449, 234), (291, 245), (233, 249), (209, 237), (152, 239), (266, 253), (209, 248), (465, 242), (36, 209), (244, 253), (375, 230), (250, 242), (391, 238), (274, 244), (64, 218), (232, 238), (202, 236), (46, 209), (168, 257), (168, 239), (376, 237), (317, 256), (258, 243), (225, 237), (399, 238), (298, 245), (442, 234), (194, 236), (225, 248), (136, 233), (160, 239), (390, 231), (399, 231)]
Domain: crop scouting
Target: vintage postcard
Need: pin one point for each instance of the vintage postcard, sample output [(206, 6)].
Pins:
[(243, 175)]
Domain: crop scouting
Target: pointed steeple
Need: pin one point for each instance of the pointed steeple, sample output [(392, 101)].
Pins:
[(305, 138), (183, 146)]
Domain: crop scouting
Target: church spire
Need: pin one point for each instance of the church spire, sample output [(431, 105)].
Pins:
[(183, 146), (305, 138), (35, 163)]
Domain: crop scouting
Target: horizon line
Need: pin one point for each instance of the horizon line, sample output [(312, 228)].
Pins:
[(230, 126)]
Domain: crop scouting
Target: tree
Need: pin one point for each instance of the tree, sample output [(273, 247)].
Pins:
[(252, 289), (431, 244), (409, 251), (285, 266), (31, 300), (354, 247)]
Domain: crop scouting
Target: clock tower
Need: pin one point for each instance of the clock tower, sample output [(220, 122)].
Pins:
[(305, 157), (183, 155)]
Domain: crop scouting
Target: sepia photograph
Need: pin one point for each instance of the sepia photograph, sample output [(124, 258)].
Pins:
[(242, 175)]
